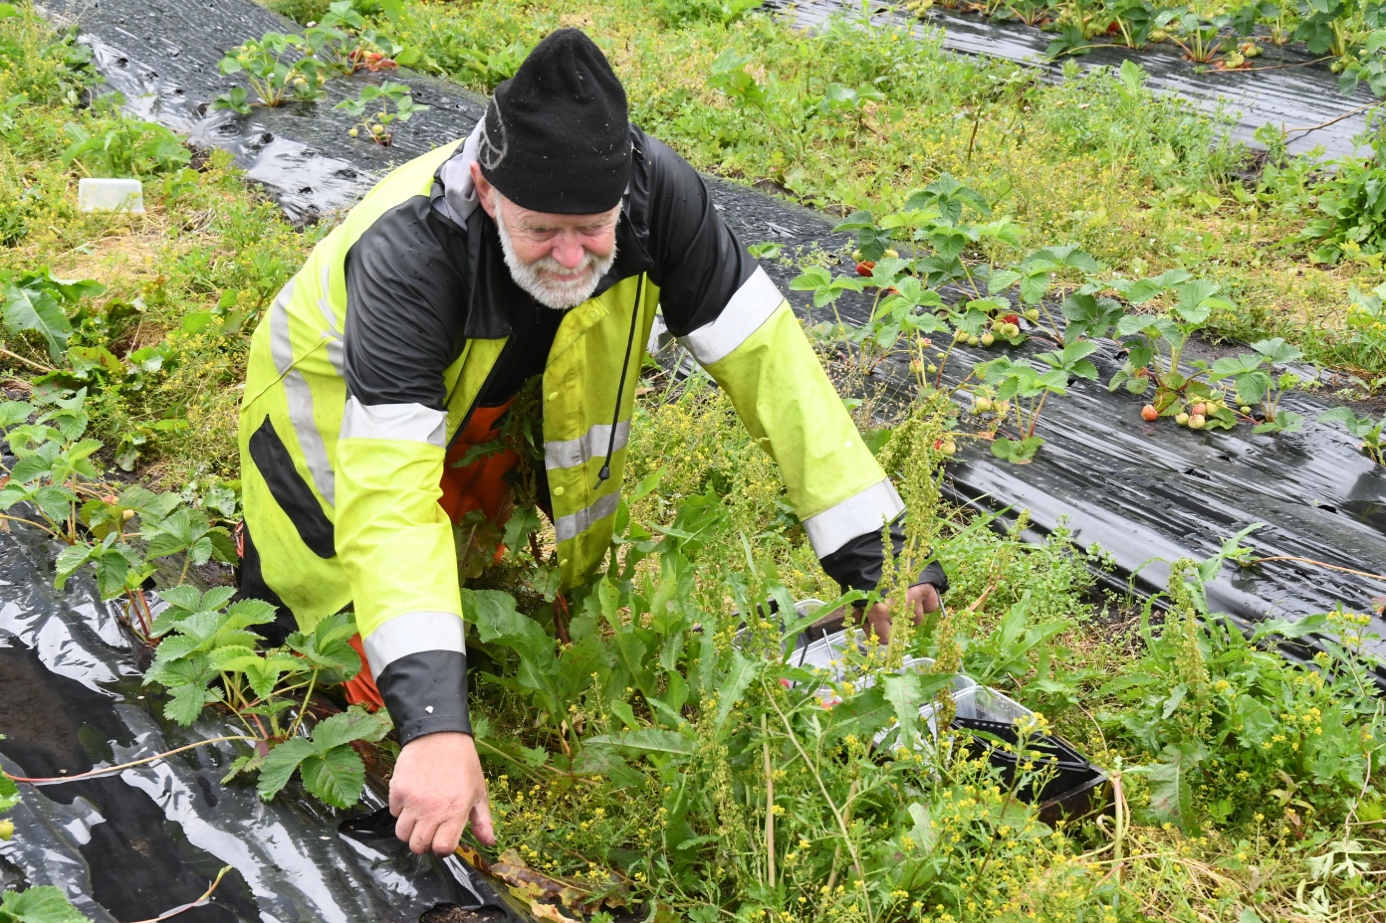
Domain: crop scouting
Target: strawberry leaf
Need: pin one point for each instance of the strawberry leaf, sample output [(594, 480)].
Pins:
[(280, 765), (45, 904)]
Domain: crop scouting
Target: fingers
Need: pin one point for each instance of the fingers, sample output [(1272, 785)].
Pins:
[(416, 828), (481, 821), (924, 596), (421, 839), (878, 618), (405, 825), (446, 837)]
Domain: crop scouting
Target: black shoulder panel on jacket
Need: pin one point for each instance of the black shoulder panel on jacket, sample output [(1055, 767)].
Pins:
[(407, 290), (698, 263)]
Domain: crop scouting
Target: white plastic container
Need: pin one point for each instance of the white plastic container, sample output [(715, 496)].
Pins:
[(110, 195)]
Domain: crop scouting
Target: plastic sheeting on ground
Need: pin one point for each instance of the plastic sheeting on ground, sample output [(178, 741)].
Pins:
[(1295, 95), (135, 844), (1143, 491)]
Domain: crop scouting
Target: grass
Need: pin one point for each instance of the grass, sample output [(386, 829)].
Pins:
[(1249, 787), (1140, 182), (207, 243)]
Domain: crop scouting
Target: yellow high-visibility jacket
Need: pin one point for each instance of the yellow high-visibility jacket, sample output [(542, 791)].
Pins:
[(373, 357)]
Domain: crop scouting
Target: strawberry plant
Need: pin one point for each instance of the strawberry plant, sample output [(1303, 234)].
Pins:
[(344, 45), (1372, 433), (208, 654), (1155, 346), (1199, 37), (1253, 375), (120, 532), (1028, 388), (279, 68), (379, 108)]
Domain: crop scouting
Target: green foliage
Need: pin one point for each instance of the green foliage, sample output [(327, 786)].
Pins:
[(279, 67), (681, 12), (1353, 208), (45, 904), (331, 770), (120, 532), (1230, 727), (127, 147), (1371, 433), (379, 108), (1155, 346), (1256, 382), (37, 303)]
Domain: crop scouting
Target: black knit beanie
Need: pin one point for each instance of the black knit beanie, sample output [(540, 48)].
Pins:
[(557, 136)]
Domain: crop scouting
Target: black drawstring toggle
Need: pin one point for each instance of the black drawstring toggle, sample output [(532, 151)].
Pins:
[(605, 473)]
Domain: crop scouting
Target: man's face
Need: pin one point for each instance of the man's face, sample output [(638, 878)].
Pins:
[(558, 259)]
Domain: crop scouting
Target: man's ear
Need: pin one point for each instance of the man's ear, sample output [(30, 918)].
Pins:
[(483, 190)]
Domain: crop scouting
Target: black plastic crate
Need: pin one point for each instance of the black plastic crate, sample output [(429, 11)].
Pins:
[(1072, 787)]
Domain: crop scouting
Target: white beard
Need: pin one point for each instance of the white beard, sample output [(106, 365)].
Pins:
[(553, 293)]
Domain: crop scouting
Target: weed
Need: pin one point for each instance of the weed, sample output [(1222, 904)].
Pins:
[(128, 147)]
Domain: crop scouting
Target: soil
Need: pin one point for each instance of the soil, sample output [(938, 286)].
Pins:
[(451, 913)]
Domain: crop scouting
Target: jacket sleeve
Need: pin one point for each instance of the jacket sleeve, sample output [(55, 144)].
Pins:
[(729, 314), (393, 538)]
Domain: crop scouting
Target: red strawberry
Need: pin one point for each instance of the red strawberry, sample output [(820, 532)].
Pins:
[(865, 267), (1010, 319)]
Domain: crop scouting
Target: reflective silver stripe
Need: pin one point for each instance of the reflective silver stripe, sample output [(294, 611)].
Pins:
[(281, 349), (753, 304), (335, 352), (592, 444), (413, 633), (324, 305), (300, 399), (864, 512), (569, 526), (335, 346), (405, 422)]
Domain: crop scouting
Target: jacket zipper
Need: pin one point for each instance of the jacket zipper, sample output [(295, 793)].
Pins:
[(462, 427)]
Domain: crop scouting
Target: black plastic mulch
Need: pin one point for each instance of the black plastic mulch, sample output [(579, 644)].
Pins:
[(1140, 490), (1289, 91)]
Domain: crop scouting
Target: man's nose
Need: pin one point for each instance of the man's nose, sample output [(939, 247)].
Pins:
[(569, 251)]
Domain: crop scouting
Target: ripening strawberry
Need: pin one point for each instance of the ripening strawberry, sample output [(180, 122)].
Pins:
[(1149, 414), (1198, 410)]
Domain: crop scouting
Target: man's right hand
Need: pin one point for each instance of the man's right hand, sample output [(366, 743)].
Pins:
[(437, 787)]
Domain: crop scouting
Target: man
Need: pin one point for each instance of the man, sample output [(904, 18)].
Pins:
[(539, 246)]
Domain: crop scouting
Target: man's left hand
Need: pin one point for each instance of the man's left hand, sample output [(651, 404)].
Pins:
[(923, 599)]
